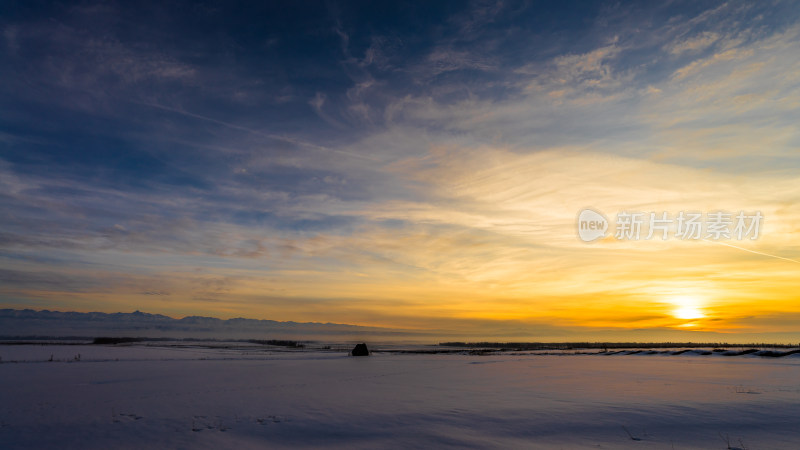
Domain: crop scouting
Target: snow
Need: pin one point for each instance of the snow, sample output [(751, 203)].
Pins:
[(225, 396)]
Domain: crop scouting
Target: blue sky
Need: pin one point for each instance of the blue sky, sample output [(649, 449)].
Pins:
[(411, 164)]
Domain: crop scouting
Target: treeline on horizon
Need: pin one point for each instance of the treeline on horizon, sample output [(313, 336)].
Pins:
[(605, 345), (502, 346)]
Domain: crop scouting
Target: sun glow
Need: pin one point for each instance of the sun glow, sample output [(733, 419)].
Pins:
[(687, 308)]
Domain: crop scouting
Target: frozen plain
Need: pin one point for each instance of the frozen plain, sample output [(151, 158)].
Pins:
[(190, 396)]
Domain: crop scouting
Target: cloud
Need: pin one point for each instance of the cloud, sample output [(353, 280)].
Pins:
[(96, 63), (443, 60), (590, 69), (318, 104), (474, 20), (694, 44)]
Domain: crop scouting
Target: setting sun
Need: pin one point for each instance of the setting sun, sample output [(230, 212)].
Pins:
[(687, 308)]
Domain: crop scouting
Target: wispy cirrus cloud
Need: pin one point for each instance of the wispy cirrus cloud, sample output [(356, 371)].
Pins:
[(694, 44)]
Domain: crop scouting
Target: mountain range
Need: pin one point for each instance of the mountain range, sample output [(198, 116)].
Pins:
[(28, 323)]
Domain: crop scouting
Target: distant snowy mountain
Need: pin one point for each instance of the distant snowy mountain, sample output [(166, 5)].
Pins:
[(27, 322)]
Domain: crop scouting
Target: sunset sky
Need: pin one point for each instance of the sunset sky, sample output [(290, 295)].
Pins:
[(417, 165)]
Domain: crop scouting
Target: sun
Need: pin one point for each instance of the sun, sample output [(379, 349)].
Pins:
[(687, 308), (688, 313)]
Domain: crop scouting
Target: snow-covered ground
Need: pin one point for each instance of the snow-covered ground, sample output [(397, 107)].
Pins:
[(240, 396)]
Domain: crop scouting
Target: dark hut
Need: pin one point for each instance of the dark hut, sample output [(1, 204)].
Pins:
[(360, 350)]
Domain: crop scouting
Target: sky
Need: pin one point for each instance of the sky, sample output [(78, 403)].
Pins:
[(412, 165)]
